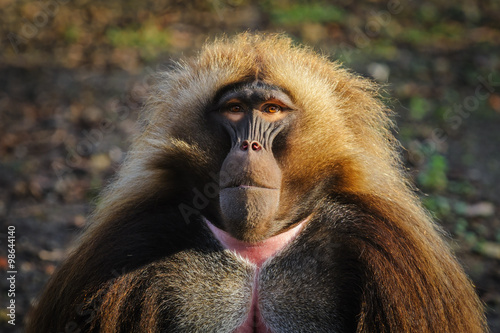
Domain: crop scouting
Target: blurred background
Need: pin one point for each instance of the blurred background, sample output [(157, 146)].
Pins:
[(74, 75)]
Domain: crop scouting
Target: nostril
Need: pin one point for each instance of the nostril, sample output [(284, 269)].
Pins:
[(256, 146), (244, 145)]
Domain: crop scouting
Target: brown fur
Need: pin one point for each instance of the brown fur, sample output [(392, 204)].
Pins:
[(412, 281)]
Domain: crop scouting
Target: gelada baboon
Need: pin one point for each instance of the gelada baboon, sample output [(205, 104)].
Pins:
[(263, 194)]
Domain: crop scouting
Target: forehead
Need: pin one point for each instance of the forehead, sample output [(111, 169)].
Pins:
[(254, 92)]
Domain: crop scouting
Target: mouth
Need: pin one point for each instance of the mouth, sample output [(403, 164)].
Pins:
[(256, 186), (248, 181), (245, 186)]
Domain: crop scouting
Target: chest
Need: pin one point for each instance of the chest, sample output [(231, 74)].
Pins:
[(229, 290)]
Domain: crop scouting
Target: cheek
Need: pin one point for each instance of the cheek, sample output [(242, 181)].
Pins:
[(281, 148), (217, 143)]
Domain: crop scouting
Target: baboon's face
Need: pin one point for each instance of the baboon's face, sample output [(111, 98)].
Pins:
[(256, 118)]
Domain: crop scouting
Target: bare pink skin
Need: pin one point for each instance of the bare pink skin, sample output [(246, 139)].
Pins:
[(257, 254)]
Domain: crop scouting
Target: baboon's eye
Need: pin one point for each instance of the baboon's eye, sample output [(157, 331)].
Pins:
[(233, 111), (272, 108), (235, 108)]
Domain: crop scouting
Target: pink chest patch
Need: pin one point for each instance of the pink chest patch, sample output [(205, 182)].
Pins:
[(257, 254)]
